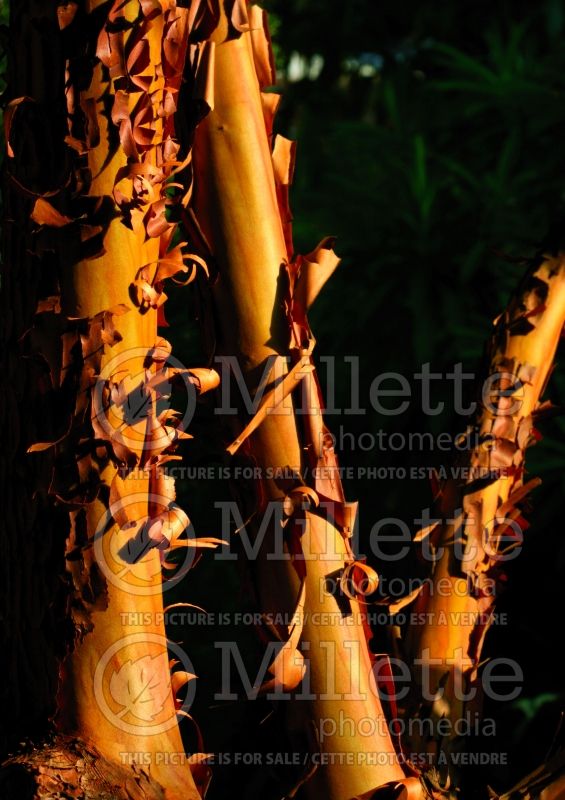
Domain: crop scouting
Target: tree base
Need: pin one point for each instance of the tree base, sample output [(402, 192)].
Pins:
[(67, 767)]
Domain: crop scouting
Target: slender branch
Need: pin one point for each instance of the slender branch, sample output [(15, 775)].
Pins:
[(480, 518)]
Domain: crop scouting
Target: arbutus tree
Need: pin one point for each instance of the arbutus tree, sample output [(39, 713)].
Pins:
[(140, 149), (98, 239)]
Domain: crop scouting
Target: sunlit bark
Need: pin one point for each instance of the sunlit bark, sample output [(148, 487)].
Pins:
[(235, 203), (480, 519)]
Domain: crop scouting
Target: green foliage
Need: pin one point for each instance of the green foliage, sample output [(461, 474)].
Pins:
[(429, 171), (430, 145), (438, 170)]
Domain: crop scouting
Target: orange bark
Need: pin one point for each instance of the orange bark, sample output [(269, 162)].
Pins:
[(235, 203), (482, 510)]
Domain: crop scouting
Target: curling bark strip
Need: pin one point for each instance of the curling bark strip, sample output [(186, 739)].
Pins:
[(242, 211), (93, 168), (486, 510), (103, 233)]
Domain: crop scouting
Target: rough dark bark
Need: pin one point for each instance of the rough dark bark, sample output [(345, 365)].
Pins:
[(32, 599), (66, 767)]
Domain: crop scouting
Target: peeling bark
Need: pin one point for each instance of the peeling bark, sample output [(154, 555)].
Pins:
[(480, 520), (69, 768), (259, 301)]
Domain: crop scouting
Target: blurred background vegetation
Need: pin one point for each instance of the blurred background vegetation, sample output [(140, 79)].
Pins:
[(430, 142)]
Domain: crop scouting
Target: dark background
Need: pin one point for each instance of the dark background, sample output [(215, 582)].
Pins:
[(431, 143)]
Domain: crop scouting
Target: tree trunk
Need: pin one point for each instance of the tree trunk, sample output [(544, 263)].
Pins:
[(106, 80), (235, 204), (94, 183), (479, 521)]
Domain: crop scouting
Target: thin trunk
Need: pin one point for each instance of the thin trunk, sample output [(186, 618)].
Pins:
[(235, 204), (91, 163), (480, 519)]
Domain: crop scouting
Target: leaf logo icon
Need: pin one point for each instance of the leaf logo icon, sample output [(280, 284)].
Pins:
[(121, 552), (134, 687), (141, 687)]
